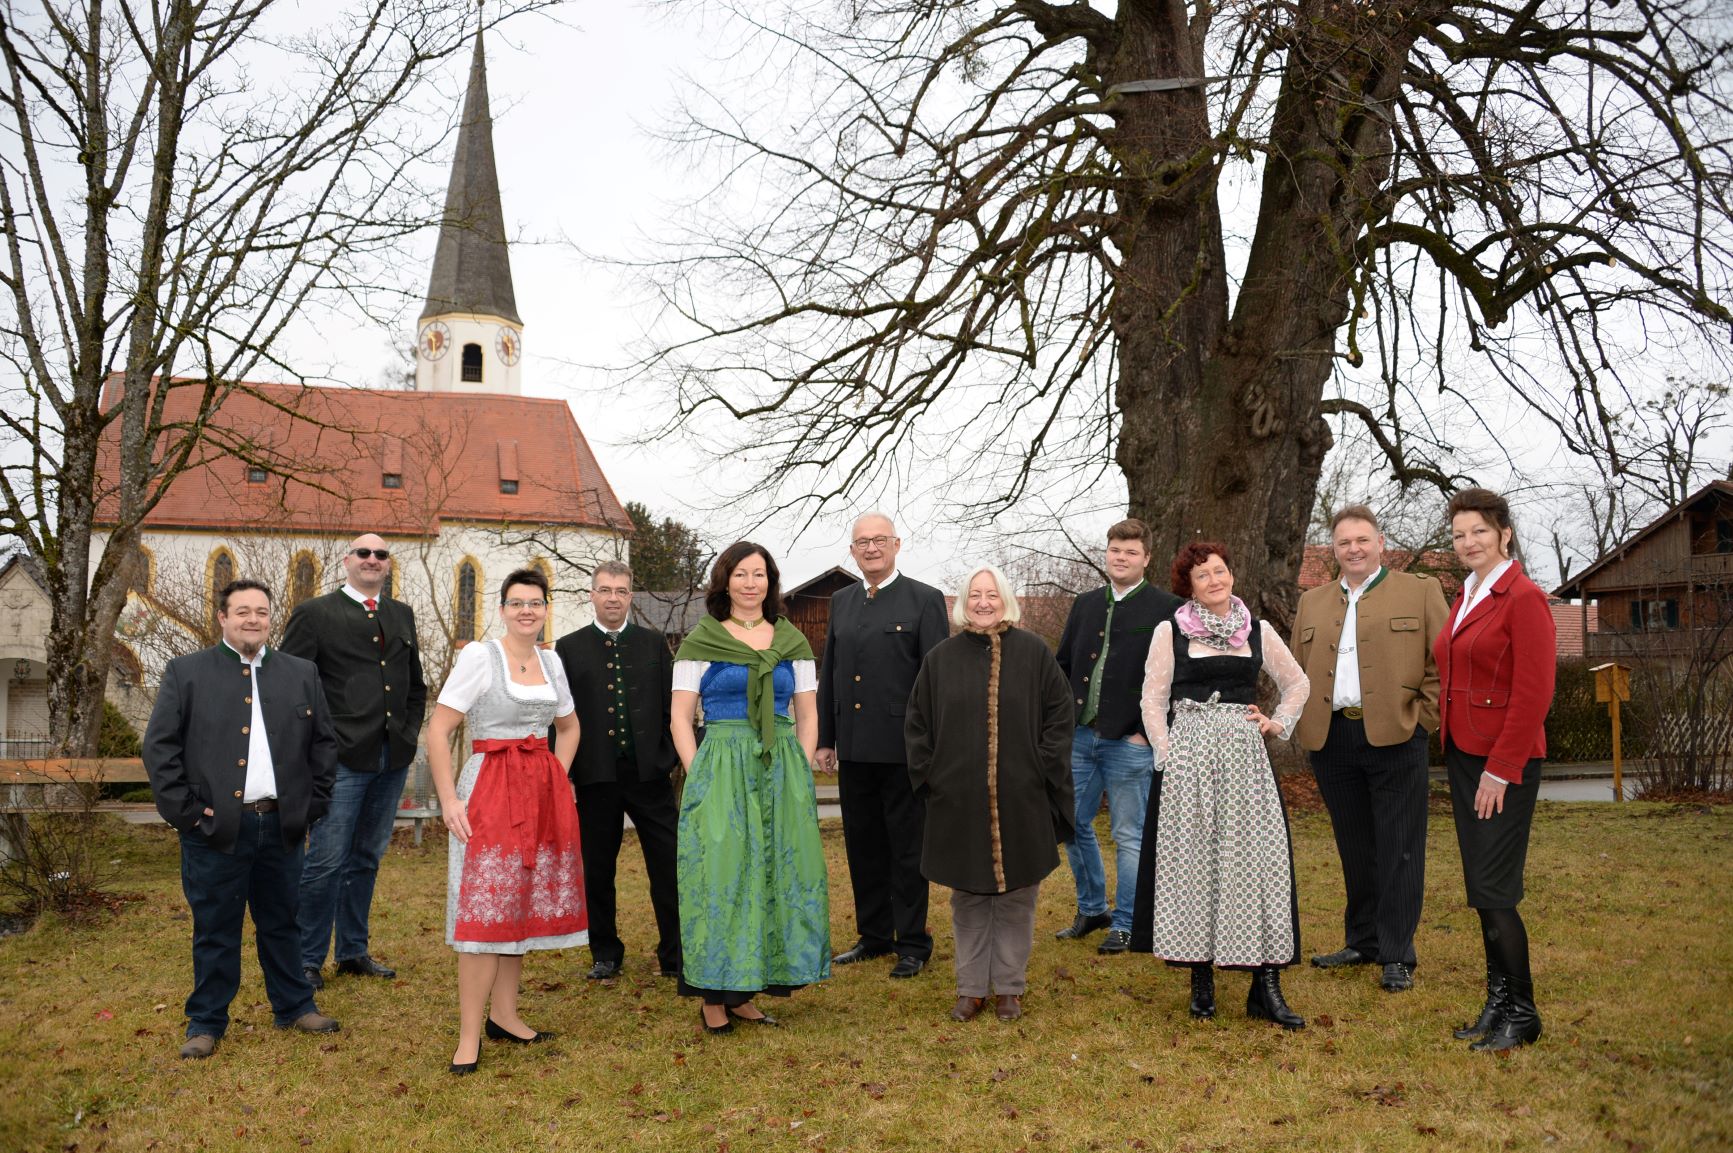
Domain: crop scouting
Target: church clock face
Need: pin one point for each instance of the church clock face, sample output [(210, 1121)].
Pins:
[(434, 341), (509, 344)]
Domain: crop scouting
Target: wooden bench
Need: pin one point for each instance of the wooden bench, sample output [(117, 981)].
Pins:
[(33, 784)]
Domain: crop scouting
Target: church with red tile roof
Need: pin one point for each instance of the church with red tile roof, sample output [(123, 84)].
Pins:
[(464, 476)]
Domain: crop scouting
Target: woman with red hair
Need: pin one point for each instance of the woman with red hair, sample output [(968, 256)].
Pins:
[(1216, 879)]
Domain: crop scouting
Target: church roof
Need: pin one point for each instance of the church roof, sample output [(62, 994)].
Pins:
[(343, 461), (472, 265)]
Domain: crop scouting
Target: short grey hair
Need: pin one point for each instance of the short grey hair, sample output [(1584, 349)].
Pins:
[(875, 514), (959, 609), (612, 568)]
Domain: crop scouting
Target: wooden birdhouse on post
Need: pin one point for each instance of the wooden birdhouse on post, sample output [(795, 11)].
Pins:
[(1613, 686)]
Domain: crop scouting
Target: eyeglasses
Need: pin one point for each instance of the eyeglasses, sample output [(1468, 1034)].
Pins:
[(519, 606), (864, 542), (376, 553)]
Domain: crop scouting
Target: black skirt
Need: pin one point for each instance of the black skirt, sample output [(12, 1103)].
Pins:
[(1494, 851)]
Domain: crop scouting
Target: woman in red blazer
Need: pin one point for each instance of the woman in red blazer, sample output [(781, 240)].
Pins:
[(1497, 657)]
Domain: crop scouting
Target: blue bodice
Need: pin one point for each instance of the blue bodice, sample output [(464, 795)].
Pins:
[(723, 690)]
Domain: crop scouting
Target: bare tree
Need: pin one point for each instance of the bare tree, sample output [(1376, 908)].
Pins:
[(1000, 231), (179, 179)]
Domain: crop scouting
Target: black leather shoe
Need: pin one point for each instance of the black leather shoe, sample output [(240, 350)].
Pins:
[(1203, 992), (1116, 941), (907, 966), (1397, 978), (314, 978), (1085, 924), (726, 1026), (464, 1070), (1477, 1028), (1265, 1000), (603, 971), (1340, 958), (365, 966), (501, 1033), (861, 951), (1518, 1020)]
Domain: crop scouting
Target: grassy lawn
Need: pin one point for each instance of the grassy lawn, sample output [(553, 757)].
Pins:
[(1633, 956)]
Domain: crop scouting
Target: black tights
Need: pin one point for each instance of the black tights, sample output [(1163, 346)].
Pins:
[(1506, 942)]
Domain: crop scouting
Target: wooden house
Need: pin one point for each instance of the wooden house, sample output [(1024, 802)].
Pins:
[(1667, 592)]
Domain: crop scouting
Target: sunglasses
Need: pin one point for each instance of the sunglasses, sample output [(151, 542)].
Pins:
[(376, 553)]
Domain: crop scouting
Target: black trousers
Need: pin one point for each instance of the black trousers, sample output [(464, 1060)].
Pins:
[(882, 826), (262, 876), (1377, 802), (601, 812)]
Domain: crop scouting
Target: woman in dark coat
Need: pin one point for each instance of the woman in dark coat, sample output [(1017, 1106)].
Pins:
[(1497, 659), (989, 742)]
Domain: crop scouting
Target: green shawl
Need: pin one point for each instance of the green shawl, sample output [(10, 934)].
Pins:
[(711, 642)]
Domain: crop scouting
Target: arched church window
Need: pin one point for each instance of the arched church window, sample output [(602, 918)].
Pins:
[(303, 579), (541, 565), (472, 363), (222, 572), (464, 614)]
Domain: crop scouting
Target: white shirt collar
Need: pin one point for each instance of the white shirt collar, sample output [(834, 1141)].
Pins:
[(257, 659), (600, 627), (1117, 596), (1472, 586), (866, 584), (1364, 585), (360, 597)]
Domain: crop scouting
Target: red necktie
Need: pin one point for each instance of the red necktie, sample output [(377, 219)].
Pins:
[(371, 604)]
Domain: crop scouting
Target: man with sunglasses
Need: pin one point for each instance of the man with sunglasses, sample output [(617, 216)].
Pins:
[(364, 645)]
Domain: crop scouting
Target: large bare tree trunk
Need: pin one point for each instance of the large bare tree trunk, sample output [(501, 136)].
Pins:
[(1221, 435)]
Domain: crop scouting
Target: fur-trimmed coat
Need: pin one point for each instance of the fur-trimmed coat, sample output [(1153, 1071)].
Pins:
[(993, 771)]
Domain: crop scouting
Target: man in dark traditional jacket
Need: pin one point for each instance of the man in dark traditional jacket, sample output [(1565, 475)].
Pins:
[(364, 645), (621, 676), (241, 757), (880, 630)]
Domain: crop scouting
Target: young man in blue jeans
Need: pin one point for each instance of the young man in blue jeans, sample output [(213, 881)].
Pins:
[(1102, 652)]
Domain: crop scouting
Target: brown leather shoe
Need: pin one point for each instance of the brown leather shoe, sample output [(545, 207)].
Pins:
[(198, 1047), (966, 1008), (1009, 1007), (313, 1023)]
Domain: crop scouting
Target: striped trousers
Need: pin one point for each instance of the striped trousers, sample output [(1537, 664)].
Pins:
[(1377, 802)]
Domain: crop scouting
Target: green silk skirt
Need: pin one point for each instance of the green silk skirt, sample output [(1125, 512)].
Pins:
[(754, 895)]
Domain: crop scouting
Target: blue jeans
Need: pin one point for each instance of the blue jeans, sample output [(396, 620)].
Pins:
[(1122, 771), (261, 874), (343, 854)]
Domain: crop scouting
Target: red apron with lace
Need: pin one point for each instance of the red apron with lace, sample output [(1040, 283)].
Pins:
[(523, 872)]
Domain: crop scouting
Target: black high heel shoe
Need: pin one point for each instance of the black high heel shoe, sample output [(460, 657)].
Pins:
[(496, 1033), (726, 1026), (465, 1070)]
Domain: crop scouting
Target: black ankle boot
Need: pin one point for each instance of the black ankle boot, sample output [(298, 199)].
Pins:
[(1518, 1020), (1264, 1000), (1488, 1012), (1203, 992)]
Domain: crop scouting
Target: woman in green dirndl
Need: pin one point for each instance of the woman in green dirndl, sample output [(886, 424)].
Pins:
[(754, 898)]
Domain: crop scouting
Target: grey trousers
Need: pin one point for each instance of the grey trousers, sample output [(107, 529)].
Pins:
[(995, 935)]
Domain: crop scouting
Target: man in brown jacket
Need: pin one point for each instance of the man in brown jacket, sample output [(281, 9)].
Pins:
[(1365, 640)]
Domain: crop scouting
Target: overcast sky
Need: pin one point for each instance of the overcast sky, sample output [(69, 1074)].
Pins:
[(579, 173)]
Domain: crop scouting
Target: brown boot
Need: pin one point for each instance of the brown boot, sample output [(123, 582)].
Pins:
[(967, 1007), (313, 1023), (1009, 1007)]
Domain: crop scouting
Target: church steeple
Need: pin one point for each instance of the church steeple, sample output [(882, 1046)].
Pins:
[(471, 336)]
